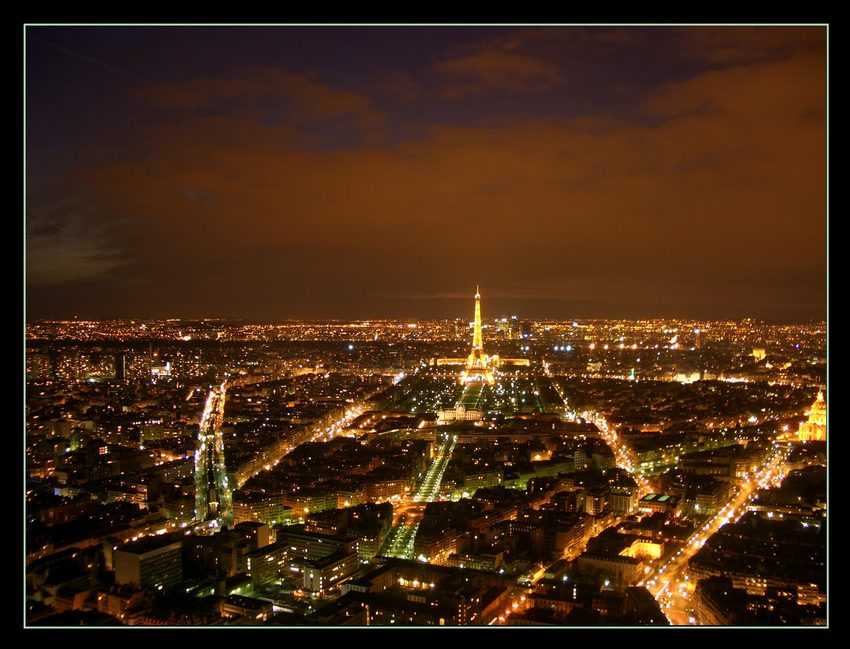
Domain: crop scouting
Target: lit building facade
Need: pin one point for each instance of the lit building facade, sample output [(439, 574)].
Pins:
[(327, 572), (814, 430), (153, 563)]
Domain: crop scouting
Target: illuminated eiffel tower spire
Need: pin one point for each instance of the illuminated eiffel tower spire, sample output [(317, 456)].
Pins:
[(478, 365), (477, 339)]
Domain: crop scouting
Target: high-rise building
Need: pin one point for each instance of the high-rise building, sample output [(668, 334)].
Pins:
[(38, 366), (153, 563), (213, 496), (120, 366)]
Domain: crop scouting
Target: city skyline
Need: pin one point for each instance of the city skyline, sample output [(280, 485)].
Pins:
[(563, 474), (426, 326), (287, 173)]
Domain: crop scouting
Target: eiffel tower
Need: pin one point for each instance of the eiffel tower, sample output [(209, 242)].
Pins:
[(478, 364)]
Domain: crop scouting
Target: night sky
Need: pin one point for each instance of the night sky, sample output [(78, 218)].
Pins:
[(269, 173)]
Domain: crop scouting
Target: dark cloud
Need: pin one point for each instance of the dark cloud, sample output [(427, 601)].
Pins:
[(397, 85), (779, 89), (735, 45), (497, 70), (268, 94)]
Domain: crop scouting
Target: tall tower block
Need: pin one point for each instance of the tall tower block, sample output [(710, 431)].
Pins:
[(478, 364), (477, 337)]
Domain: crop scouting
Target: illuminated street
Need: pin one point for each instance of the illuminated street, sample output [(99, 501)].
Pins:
[(430, 488), (401, 540), (668, 581), (623, 454)]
